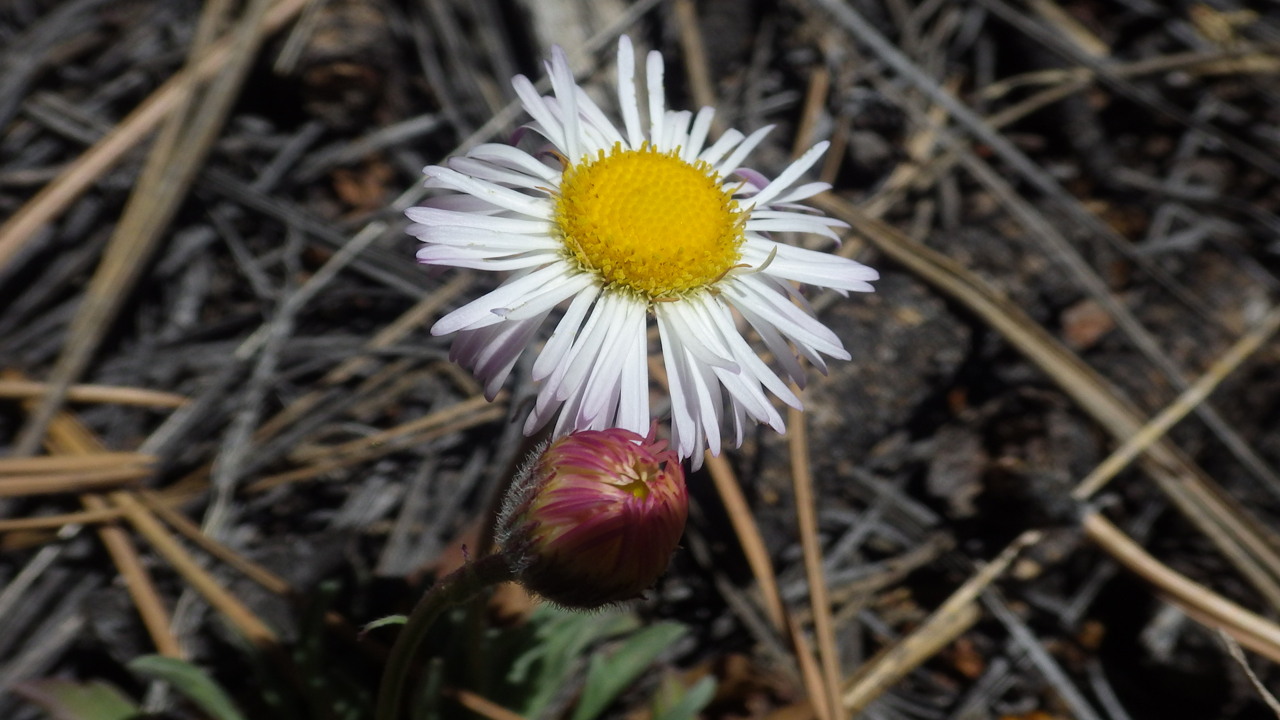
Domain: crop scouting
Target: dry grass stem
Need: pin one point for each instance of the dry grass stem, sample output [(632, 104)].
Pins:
[(316, 469), (744, 525), (23, 389), (412, 319), (1237, 654), (72, 463), (82, 481), (695, 61), (815, 102), (482, 706), (1065, 23), (209, 588), (86, 517), (440, 418), (811, 545), (1217, 610), (176, 520), (815, 685), (1177, 410), (155, 616)]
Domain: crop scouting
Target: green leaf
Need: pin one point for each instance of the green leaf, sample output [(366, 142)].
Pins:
[(191, 682), (608, 676), (383, 622), (67, 700), (560, 640), (694, 701)]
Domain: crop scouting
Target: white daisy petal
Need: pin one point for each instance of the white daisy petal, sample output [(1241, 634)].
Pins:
[(627, 99), (598, 120), (548, 126), (434, 216), (740, 153), (710, 403), (777, 345), (809, 266), (482, 170), (566, 94), (550, 296), (606, 372), (514, 158), (633, 401), (792, 226), (790, 320), (744, 385), (697, 340), (481, 309), (790, 175), (746, 357), (739, 423), (677, 130), (591, 142), (698, 135), (459, 203), (481, 238), (561, 340), (802, 192), (590, 343), (482, 259), (683, 401), (657, 97), (503, 348), (721, 147), (495, 194), (797, 216)]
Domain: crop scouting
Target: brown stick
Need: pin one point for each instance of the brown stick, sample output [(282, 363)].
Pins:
[(23, 389), (807, 519), (72, 463), (50, 483)]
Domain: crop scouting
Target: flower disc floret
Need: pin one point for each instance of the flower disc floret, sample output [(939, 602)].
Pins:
[(648, 221)]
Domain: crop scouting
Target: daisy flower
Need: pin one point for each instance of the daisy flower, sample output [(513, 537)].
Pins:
[(625, 223)]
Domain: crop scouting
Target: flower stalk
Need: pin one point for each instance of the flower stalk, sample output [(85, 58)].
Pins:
[(457, 587)]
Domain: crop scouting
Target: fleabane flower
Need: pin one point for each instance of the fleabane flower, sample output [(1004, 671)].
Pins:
[(594, 518), (623, 224)]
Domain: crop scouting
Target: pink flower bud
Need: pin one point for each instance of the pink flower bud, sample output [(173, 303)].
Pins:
[(594, 519)]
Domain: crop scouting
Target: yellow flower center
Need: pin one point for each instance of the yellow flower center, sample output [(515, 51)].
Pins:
[(648, 221), (638, 476)]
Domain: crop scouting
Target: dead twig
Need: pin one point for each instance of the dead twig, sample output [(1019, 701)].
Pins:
[(1237, 654), (1178, 409), (1258, 633), (23, 389), (807, 519)]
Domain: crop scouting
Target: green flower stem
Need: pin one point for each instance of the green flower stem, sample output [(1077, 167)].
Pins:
[(456, 587)]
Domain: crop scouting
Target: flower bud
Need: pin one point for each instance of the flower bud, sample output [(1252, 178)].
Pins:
[(594, 518)]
